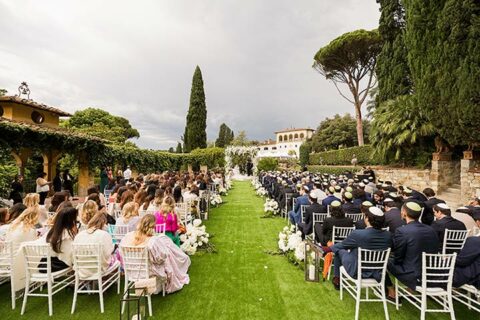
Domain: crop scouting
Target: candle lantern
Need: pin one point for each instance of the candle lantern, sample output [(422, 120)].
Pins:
[(133, 305), (312, 261)]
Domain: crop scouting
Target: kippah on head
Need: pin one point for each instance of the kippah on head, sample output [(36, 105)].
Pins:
[(413, 206), (337, 188), (376, 211), (388, 200), (306, 188), (348, 195), (331, 189), (349, 189), (442, 206), (336, 203), (367, 204), (312, 195)]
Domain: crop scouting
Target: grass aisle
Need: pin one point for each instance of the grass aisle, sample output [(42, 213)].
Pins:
[(239, 282)]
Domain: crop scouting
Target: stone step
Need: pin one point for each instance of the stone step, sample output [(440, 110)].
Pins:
[(452, 190), (456, 186)]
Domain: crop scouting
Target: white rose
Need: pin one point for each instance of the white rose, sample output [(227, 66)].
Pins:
[(197, 222)]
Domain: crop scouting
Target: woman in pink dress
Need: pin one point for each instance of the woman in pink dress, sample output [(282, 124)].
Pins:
[(166, 215)]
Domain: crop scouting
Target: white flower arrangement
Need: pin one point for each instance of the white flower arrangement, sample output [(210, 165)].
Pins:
[(222, 191), (215, 200), (196, 237), (289, 240), (271, 206), (228, 183), (262, 192)]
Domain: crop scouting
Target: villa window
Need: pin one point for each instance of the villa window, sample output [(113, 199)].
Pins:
[(37, 117)]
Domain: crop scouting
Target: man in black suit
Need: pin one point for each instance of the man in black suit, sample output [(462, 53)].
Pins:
[(372, 237), (306, 227), (393, 217), (348, 206), (443, 214), (360, 224), (427, 217), (467, 265), (409, 242)]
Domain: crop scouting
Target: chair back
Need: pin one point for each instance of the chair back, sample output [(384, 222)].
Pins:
[(319, 217), (370, 261), (288, 201), (51, 214), (294, 202), (303, 208), (33, 253), (354, 216), (182, 210), (454, 240), (86, 259), (117, 213), (340, 233), (386, 229), (6, 258), (437, 270), (160, 228), (421, 216), (118, 232), (135, 262)]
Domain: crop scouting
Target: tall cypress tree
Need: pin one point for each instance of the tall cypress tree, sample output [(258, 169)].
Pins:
[(225, 136), (179, 148), (195, 135)]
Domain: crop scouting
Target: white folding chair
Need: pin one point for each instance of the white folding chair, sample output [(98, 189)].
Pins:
[(437, 277), (454, 240), (303, 208), (421, 215), (468, 295), (117, 213), (368, 261), (288, 201), (318, 217), (136, 267), (6, 265), (118, 232), (386, 229), (38, 274), (340, 233), (354, 216), (87, 261), (182, 210), (160, 228)]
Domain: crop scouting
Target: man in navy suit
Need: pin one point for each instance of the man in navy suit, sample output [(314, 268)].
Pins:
[(467, 265), (409, 242), (427, 217), (372, 237), (393, 216), (295, 215), (443, 214), (306, 227), (330, 197)]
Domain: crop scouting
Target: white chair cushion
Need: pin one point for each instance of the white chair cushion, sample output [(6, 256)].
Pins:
[(43, 276), (369, 282)]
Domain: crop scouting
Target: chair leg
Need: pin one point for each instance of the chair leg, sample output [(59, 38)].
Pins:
[(12, 289), (384, 300), (126, 288), (75, 293), (25, 295), (396, 294), (341, 286), (423, 306), (50, 298), (118, 281), (100, 294), (450, 306), (357, 300), (150, 311)]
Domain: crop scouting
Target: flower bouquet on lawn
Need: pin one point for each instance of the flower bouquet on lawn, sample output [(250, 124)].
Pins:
[(216, 200), (262, 192), (222, 191), (271, 208), (196, 238), (291, 245)]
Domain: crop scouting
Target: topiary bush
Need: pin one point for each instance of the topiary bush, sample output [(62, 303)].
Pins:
[(267, 164), (364, 155)]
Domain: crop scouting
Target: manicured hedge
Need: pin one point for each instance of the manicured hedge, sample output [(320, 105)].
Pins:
[(344, 156), (330, 169), (267, 164)]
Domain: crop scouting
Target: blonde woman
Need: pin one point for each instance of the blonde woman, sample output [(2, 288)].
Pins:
[(167, 261), (89, 209), (96, 234), (167, 215), (21, 230), (33, 200), (130, 216)]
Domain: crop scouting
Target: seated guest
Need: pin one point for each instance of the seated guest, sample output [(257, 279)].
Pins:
[(167, 215), (323, 232), (443, 221), (167, 261), (296, 214), (33, 200), (409, 197), (191, 194), (409, 242), (427, 217), (467, 265), (464, 215), (372, 238), (96, 234), (89, 209), (129, 216), (330, 197), (318, 191), (378, 197), (348, 206), (474, 205), (306, 227), (393, 216), (359, 197), (60, 237), (57, 198), (360, 224)]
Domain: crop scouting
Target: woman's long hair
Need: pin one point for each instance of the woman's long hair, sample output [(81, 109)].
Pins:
[(97, 222), (127, 196), (159, 195), (145, 229), (89, 209), (31, 200), (177, 194), (168, 205), (129, 211), (65, 220), (29, 217)]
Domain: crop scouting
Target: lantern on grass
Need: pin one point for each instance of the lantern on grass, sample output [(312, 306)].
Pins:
[(133, 305), (312, 261)]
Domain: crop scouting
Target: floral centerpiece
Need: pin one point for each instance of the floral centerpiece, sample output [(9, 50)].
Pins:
[(222, 191), (271, 207), (262, 192), (215, 200), (290, 244), (195, 238)]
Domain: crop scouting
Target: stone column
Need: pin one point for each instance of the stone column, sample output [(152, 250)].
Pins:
[(50, 160), (443, 172), (21, 158), (468, 178), (85, 179)]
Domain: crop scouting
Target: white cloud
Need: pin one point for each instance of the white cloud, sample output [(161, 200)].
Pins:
[(136, 59)]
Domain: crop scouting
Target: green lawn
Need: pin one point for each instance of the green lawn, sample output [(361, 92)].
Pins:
[(239, 282)]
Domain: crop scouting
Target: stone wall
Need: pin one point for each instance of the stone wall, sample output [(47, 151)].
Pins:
[(470, 179), (417, 179)]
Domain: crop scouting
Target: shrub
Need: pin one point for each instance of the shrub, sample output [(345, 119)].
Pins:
[(330, 170), (364, 154), (267, 164), (305, 150)]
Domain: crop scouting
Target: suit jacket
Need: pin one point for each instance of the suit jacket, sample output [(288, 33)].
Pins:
[(349, 207), (301, 201), (428, 211), (418, 196), (369, 238), (329, 199), (409, 242), (307, 226), (393, 220), (446, 223), (467, 265), (328, 223)]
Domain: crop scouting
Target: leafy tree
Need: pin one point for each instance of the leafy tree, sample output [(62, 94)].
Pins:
[(179, 148), (100, 123), (171, 150), (241, 139), (195, 135), (401, 131), (442, 38), (225, 136), (392, 69), (351, 59), (305, 150), (267, 164), (3, 92), (336, 132)]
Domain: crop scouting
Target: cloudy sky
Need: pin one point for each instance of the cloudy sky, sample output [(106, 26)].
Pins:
[(136, 59)]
